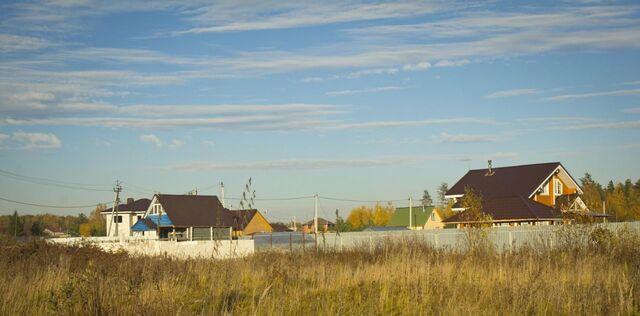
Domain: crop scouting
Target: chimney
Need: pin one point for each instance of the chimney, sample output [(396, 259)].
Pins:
[(490, 171), (129, 200)]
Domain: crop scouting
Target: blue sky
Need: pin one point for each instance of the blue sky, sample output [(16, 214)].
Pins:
[(355, 100)]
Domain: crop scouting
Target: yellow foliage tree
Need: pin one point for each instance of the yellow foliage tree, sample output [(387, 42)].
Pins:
[(382, 214), (85, 230), (360, 217)]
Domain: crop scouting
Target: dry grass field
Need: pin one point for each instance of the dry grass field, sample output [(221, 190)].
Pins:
[(590, 272)]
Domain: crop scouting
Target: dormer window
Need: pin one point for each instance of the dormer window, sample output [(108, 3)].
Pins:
[(557, 187), (544, 190)]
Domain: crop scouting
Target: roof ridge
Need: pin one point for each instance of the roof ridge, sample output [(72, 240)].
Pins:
[(518, 166)]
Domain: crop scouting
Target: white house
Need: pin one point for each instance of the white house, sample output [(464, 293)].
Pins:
[(128, 214)]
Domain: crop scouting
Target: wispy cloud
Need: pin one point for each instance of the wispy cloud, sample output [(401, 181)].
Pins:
[(468, 138), (3, 137), (377, 89), (15, 43), (511, 93), (632, 110), (37, 140), (567, 97), (307, 164), (410, 123), (602, 125), (219, 18)]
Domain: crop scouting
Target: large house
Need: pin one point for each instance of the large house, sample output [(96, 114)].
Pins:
[(418, 217), (127, 214), (536, 194), (197, 217)]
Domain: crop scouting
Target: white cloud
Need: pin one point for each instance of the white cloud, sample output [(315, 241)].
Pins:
[(511, 93), (632, 110), (151, 139), (416, 67), (13, 43), (208, 143), (156, 141), (452, 63), (467, 138), (3, 137), (567, 97), (350, 92), (37, 140)]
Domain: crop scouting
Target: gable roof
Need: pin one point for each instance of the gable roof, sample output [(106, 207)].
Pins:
[(511, 208), (241, 218), (279, 227), (506, 181), (400, 217), (321, 221), (140, 205), (195, 210)]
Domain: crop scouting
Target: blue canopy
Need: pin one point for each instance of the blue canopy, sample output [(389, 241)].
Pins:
[(149, 223)]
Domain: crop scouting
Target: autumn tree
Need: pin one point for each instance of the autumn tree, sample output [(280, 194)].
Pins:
[(592, 192), (382, 214), (360, 217), (474, 209), (97, 221)]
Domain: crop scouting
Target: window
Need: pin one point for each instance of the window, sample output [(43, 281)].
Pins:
[(544, 190), (117, 219), (139, 217), (557, 187)]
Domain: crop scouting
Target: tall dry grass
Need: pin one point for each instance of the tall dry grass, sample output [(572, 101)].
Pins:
[(599, 276)]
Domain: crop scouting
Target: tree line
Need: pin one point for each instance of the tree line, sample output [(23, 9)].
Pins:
[(18, 226), (621, 199)]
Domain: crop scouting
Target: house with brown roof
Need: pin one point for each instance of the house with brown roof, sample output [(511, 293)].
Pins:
[(323, 225), (534, 194), (127, 214), (197, 217)]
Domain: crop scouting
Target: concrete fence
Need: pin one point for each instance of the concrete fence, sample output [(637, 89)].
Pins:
[(456, 239), (217, 249)]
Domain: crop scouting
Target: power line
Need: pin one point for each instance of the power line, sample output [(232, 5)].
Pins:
[(274, 199), (42, 181), (360, 201), (53, 206)]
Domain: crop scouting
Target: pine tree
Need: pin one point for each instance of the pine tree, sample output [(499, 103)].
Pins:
[(442, 191), (426, 199)]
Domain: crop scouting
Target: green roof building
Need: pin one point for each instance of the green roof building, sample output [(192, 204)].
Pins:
[(420, 214)]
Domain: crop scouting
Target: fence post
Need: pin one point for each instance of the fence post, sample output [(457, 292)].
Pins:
[(271, 241), (290, 242), (435, 240), (303, 242)]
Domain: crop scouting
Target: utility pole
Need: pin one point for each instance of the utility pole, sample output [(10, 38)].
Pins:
[(295, 226), (410, 212), (315, 216), (114, 210), (222, 193), (117, 189)]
